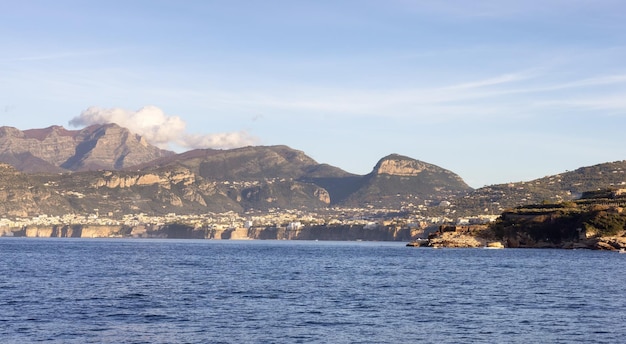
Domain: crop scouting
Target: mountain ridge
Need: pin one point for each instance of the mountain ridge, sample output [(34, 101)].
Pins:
[(100, 159), (115, 170)]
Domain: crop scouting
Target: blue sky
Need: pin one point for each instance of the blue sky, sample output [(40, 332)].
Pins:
[(496, 91)]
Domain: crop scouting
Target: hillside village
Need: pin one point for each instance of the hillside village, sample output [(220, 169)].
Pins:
[(289, 219)]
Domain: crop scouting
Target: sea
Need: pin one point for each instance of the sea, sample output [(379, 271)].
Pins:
[(208, 291)]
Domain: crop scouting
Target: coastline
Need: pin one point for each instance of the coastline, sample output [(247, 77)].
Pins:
[(460, 240), (181, 231)]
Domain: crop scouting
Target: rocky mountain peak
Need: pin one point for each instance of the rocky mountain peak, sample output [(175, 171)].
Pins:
[(54, 149), (398, 165), (42, 134), (9, 131)]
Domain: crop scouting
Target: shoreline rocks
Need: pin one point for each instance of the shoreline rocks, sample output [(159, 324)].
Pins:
[(458, 240)]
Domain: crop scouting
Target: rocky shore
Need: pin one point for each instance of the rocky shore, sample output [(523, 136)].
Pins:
[(483, 236)]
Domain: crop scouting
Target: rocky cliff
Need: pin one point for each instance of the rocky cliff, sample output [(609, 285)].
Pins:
[(56, 149), (591, 223), (567, 225), (181, 231), (397, 165)]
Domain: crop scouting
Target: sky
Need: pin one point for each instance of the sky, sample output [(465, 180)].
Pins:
[(496, 91)]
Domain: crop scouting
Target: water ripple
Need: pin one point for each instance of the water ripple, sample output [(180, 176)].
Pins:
[(168, 291)]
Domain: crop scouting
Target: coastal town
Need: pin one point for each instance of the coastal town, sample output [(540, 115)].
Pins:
[(289, 219)]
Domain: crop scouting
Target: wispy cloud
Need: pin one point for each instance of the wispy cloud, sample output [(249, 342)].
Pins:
[(450, 101), (494, 81), (57, 55), (595, 81), (530, 93), (611, 103), (160, 129)]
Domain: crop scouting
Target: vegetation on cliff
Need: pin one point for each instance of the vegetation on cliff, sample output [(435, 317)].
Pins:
[(595, 221), (569, 224)]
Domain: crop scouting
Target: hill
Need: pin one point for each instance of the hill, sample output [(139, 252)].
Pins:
[(398, 180), (550, 189), (394, 181), (248, 163)]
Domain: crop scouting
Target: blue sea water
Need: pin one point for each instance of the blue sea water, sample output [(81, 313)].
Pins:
[(201, 291)]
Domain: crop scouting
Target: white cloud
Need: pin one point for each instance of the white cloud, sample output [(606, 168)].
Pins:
[(161, 130), (531, 92), (614, 103), (494, 81), (595, 81), (220, 140)]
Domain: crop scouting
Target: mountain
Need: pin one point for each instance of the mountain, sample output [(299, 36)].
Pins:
[(118, 172), (550, 189), (399, 180), (109, 192), (56, 149), (261, 177), (248, 163), (395, 179), (172, 189)]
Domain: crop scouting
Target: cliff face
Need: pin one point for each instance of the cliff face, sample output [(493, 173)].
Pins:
[(399, 166), (579, 225), (56, 149), (110, 147), (586, 223), (178, 231), (66, 231), (54, 144), (427, 174), (165, 179)]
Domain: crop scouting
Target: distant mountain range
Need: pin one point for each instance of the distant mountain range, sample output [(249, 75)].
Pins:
[(108, 169)]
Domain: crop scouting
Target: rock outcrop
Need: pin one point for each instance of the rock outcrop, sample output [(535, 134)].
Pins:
[(456, 240), (596, 221), (165, 179), (396, 165)]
